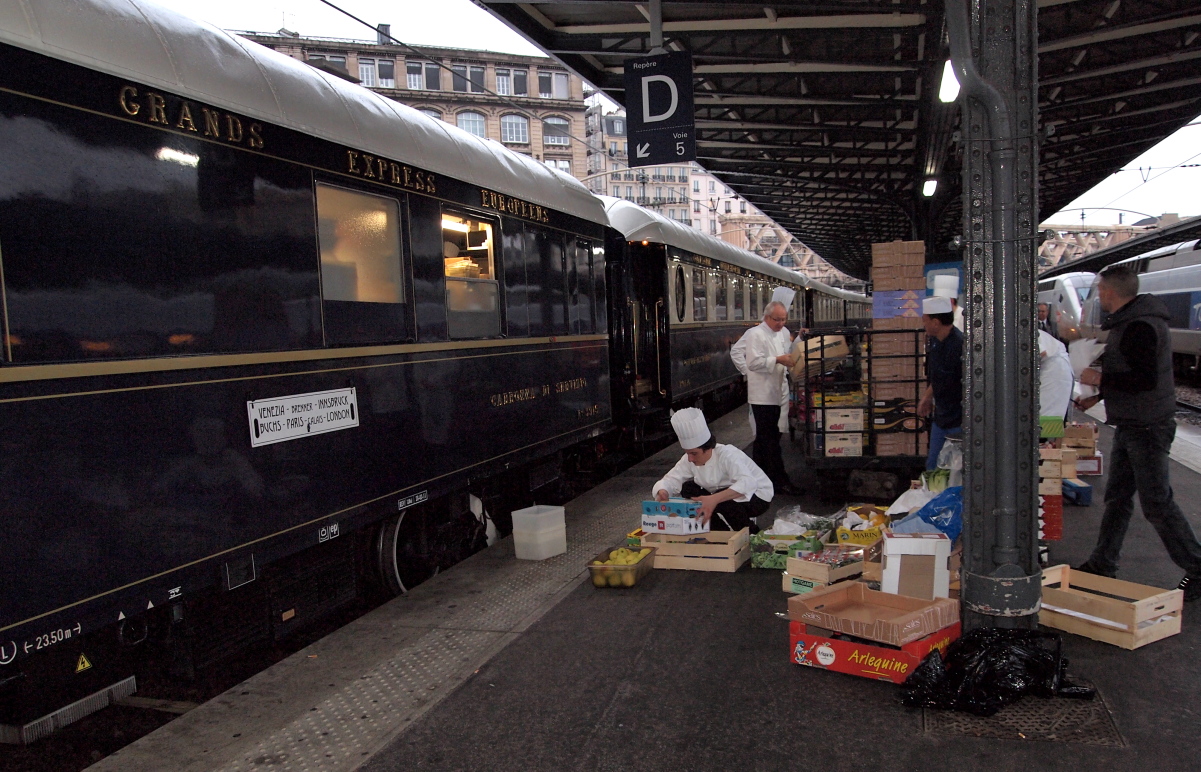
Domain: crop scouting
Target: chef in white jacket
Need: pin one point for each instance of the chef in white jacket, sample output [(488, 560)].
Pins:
[(767, 362), (738, 356), (721, 477), (1055, 379)]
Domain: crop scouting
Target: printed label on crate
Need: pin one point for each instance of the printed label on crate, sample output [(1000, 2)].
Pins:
[(672, 507), (673, 525)]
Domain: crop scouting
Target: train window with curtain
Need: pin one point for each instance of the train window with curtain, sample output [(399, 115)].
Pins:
[(721, 297), (579, 286), (736, 286), (681, 292), (362, 280), (472, 290), (700, 295)]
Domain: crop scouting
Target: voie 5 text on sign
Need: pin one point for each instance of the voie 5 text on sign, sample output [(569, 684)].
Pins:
[(301, 415), (659, 114)]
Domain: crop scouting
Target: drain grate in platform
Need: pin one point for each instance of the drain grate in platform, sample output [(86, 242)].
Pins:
[(1054, 720)]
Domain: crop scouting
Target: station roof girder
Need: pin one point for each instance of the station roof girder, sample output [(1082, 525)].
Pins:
[(796, 98)]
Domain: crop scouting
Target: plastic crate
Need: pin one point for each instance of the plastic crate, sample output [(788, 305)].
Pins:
[(620, 576)]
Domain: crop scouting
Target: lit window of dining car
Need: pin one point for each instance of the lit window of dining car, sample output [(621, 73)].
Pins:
[(720, 296), (362, 276), (700, 295), (472, 289), (736, 286)]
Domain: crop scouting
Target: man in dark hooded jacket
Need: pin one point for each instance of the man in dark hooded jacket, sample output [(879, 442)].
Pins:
[(1140, 402)]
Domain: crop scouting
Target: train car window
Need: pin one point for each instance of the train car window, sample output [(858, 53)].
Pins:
[(720, 296), (472, 291), (753, 291), (362, 284), (737, 286), (700, 296), (681, 290), (144, 245), (517, 290), (580, 285)]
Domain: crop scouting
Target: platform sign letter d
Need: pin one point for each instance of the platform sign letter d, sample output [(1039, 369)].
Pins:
[(647, 117)]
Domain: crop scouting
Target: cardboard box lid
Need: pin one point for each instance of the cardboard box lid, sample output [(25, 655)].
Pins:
[(936, 544), (853, 609)]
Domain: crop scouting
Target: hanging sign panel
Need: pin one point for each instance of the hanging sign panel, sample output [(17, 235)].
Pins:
[(279, 419), (659, 115)]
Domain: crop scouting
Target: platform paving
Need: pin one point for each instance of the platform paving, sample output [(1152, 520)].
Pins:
[(501, 664)]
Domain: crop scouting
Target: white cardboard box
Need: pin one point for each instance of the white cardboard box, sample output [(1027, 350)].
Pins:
[(848, 420), (916, 565), (673, 524), (844, 444), (1090, 465)]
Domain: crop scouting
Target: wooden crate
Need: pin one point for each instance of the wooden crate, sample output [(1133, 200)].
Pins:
[(723, 550), (1122, 613)]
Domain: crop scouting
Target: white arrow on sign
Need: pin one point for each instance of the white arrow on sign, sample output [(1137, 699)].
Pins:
[(643, 151)]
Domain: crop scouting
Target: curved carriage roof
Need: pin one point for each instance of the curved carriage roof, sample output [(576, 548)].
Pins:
[(639, 224), (157, 46)]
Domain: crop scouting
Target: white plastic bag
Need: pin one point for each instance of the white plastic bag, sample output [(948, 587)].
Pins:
[(910, 500)]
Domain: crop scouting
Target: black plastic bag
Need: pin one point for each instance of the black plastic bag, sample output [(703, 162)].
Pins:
[(990, 668)]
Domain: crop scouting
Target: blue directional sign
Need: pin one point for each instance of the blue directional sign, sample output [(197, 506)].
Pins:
[(659, 115)]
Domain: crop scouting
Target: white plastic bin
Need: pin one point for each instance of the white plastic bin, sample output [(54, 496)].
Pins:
[(540, 545), (539, 517)]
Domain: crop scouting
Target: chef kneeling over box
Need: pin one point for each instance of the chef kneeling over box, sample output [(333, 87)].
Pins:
[(729, 488)]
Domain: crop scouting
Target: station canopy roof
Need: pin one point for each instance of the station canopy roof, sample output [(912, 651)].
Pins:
[(826, 116)]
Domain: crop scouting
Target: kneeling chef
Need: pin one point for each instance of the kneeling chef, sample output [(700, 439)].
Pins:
[(722, 478)]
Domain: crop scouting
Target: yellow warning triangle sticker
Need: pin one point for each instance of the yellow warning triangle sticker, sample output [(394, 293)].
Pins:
[(83, 664)]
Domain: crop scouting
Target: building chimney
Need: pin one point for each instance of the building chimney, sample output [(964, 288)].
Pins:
[(383, 34)]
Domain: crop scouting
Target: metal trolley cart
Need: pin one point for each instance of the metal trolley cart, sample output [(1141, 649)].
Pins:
[(854, 410)]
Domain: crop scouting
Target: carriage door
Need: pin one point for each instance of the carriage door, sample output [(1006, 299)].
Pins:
[(648, 305)]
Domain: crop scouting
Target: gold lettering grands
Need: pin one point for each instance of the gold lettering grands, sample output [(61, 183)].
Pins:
[(514, 206), (371, 167), (189, 118)]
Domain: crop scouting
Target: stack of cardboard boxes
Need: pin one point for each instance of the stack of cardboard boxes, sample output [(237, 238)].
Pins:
[(1054, 465), (898, 286), (1083, 439)]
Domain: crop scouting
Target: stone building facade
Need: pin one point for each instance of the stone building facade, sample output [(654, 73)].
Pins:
[(535, 107)]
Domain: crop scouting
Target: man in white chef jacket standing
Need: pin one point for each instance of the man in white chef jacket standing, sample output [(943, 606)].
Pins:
[(738, 356), (767, 362), (721, 477)]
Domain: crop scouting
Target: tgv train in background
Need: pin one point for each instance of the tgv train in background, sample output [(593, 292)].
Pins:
[(1173, 274), (271, 340)]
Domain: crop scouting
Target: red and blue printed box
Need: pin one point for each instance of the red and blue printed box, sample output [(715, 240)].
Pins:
[(865, 659), (672, 508)]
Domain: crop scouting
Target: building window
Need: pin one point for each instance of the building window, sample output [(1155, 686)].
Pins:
[(713, 227), (472, 291), (504, 82), (423, 76), (329, 61), (472, 123), (619, 127), (431, 112), (367, 73), (613, 148), (742, 207), (711, 188), (696, 186), (671, 195), (467, 78), (560, 164), (728, 193), (629, 192), (671, 214), (515, 129), (659, 193), (727, 207), (696, 207), (552, 85), (555, 131), (387, 73), (521, 82)]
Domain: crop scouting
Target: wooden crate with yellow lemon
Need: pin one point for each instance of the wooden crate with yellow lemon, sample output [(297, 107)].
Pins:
[(621, 566)]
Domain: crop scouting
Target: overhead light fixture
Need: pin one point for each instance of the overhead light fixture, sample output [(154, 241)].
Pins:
[(929, 188), (949, 90), (451, 225)]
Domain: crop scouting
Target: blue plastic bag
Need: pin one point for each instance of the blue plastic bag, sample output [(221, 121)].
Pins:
[(943, 513)]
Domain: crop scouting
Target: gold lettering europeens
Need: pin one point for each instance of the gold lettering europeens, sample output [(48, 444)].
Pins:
[(514, 206)]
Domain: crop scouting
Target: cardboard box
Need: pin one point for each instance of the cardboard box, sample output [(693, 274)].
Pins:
[(817, 354), (898, 323), (890, 344), (892, 395), (1121, 613), (899, 369), (1083, 436), (1050, 487), (843, 444), (724, 551), (1077, 492), (902, 444), (899, 253), (1050, 470), (634, 537), (892, 304), (916, 565), (673, 525), (846, 399), (826, 573), (853, 609), (899, 283), (840, 420), (799, 586), (1089, 466), (899, 421), (913, 273), (808, 646), (672, 507), (861, 538), (1066, 457)]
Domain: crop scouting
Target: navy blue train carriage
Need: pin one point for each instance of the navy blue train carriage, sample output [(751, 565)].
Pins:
[(270, 338)]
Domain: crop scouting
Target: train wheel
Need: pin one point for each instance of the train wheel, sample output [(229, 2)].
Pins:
[(419, 542), (399, 566)]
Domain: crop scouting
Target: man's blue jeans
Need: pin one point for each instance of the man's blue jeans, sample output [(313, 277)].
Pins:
[(938, 437), (1139, 464)]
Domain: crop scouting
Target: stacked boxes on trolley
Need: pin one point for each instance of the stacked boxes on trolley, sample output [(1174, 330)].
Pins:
[(894, 371)]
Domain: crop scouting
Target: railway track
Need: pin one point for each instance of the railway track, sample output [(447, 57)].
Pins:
[(1189, 406)]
